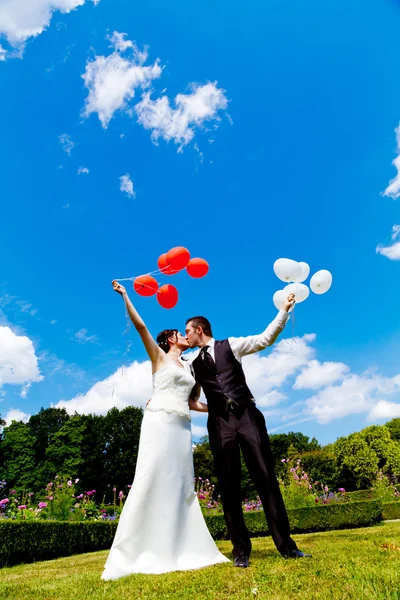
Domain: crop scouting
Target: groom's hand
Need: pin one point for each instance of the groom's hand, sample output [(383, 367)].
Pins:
[(290, 302)]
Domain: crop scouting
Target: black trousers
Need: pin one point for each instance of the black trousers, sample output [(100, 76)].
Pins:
[(246, 429)]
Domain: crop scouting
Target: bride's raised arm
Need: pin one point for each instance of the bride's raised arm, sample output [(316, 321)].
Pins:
[(155, 353)]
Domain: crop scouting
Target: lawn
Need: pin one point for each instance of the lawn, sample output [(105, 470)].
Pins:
[(357, 563)]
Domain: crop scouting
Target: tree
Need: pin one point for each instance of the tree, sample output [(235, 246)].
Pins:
[(361, 455), (18, 447), (203, 461), (64, 452), (43, 425), (394, 428), (320, 465), (120, 446)]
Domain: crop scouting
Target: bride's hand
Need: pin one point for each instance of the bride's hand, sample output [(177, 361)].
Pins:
[(118, 288)]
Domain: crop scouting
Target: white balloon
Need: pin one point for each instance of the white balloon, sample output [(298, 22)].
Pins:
[(321, 281), (279, 299), (305, 271), (300, 291), (287, 270)]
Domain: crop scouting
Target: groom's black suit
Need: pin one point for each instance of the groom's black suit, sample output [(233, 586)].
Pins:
[(235, 422)]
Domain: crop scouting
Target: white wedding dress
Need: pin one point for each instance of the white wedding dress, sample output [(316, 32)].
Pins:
[(161, 527)]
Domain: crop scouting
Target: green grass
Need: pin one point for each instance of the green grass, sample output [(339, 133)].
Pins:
[(345, 564)]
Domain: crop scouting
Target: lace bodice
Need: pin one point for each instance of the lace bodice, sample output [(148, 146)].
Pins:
[(171, 390)]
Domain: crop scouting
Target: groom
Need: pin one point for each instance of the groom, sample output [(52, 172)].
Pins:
[(234, 423)]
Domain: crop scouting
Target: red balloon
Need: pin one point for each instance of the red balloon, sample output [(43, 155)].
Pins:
[(145, 285), (163, 265), (177, 258), (167, 296), (197, 267)]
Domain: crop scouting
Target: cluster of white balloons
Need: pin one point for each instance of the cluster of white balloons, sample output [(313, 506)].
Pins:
[(295, 273)]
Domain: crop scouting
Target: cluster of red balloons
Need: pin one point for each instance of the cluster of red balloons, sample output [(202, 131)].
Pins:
[(170, 263)]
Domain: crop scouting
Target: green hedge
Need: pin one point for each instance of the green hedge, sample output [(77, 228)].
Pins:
[(43, 540), (358, 496), (308, 519), (391, 510)]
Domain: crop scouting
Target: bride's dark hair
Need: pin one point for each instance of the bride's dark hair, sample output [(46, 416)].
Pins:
[(162, 339)]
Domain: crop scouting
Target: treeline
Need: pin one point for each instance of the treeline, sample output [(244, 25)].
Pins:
[(352, 462), (101, 451)]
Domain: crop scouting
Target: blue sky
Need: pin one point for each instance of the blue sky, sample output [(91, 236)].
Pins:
[(262, 131)]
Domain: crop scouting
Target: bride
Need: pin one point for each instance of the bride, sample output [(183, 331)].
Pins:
[(161, 527)]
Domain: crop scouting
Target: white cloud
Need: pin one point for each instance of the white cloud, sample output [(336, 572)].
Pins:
[(356, 394), (317, 375), (393, 189), (265, 375), (66, 143), (192, 110), (53, 321), (25, 389), (24, 19), (82, 170), (391, 251), (3, 53), (82, 337), (269, 378), (18, 361), (199, 431), (126, 185), (384, 410), (112, 80), (16, 415), (128, 386)]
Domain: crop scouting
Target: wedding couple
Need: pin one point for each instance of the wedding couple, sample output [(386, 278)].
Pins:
[(161, 527)]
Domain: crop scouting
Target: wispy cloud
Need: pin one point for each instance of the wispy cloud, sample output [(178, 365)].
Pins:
[(126, 185), (391, 251), (82, 337), (66, 143), (393, 189), (83, 170)]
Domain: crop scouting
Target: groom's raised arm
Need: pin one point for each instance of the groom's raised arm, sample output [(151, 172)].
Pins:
[(254, 343)]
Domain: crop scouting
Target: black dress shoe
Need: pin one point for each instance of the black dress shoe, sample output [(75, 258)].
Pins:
[(241, 561), (297, 554)]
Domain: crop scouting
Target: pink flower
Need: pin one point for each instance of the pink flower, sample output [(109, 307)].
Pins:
[(129, 486), (69, 483), (49, 485), (30, 494), (341, 490), (76, 480), (50, 498), (283, 459), (79, 497), (121, 494), (22, 507), (114, 489), (93, 491), (42, 505), (13, 491), (4, 501)]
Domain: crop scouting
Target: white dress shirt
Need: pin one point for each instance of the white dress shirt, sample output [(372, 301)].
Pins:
[(253, 343)]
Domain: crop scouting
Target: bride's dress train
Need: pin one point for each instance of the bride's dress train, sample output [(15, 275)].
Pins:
[(161, 527)]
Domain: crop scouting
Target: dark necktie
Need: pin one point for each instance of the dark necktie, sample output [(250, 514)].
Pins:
[(208, 359)]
